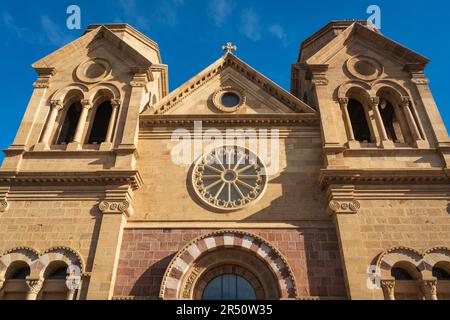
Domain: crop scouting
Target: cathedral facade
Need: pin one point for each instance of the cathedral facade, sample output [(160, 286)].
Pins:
[(229, 187)]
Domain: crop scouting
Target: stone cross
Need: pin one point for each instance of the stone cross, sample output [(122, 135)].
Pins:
[(229, 48)]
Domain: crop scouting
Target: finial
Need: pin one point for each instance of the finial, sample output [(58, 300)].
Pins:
[(229, 48)]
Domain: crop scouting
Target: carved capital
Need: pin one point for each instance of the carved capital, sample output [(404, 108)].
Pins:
[(343, 102), (86, 103), (429, 289), (388, 287), (420, 81), (138, 84), (41, 84), (115, 103), (405, 102), (4, 205), (374, 102), (56, 104), (34, 285), (319, 82), (115, 207), (344, 207)]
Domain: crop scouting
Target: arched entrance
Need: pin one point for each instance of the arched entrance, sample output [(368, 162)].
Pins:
[(224, 259)]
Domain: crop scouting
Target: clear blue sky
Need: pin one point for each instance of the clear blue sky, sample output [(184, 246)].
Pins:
[(190, 34)]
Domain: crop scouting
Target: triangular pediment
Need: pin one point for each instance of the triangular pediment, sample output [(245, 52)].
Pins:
[(102, 34), (262, 96), (357, 33)]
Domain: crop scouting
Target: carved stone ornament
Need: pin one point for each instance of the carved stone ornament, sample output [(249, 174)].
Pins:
[(34, 286), (93, 70), (239, 99), (57, 104), (429, 287), (4, 205), (114, 207), (344, 207), (364, 68), (388, 287)]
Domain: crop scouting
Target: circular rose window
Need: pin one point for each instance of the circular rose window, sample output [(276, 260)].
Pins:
[(229, 178)]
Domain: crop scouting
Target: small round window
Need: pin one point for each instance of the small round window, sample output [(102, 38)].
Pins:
[(230, 100)]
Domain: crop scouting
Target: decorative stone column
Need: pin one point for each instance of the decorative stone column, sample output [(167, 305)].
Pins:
[(413, 128), (327, 106), (87, 106), (375, 106), (115, 104), (55, 107), (115, 214), (34, 286), (429, 289), (388, 287), (347, 122), (126, 152)]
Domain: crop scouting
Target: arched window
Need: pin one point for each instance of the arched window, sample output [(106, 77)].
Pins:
[(358, 119), (390, 122), (55, 287), (101, 122), (441, 274), (229, 287), (401, 274), (15, 287), (18, 271), (69, 127)]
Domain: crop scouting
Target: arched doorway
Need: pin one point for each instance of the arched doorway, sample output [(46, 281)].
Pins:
[(210, 265)]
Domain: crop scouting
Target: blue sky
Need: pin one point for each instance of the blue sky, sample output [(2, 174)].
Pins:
[(190, 34)]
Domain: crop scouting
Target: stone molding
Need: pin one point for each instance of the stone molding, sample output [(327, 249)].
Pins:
[(261, 120), (74, 178)]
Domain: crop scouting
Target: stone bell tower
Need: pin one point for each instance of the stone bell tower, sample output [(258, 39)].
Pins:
[(76, 148), (384, 142)]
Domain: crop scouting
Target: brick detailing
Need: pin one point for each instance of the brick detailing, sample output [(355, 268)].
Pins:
[(312, 254)]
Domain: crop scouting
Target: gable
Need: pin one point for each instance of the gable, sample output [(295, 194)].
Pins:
[(261, 94), (371, 39), (89, 40)]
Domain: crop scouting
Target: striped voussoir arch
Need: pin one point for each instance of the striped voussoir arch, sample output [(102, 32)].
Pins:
[(185, 260)]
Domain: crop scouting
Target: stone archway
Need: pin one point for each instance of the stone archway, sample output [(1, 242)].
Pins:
[(250, 255)]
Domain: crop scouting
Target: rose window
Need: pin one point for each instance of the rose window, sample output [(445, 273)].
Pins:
[(229, 178)]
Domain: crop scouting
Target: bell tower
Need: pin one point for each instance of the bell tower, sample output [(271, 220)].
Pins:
[(383, 137)]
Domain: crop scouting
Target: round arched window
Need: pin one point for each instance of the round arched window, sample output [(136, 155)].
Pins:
[(229, 178), (229, 99), (229, 287)]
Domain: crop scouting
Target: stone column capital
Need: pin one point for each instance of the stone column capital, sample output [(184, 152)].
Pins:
[(405, 102), (115, 103), (388, 287), (116, 207), (374, 102), (86, 103), (56, 104), (344, 206), (343, 102), (34, 286), (429, 288)]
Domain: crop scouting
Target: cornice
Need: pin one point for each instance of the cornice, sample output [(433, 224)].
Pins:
[(109, 177), (304, 119), (383, 176)]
